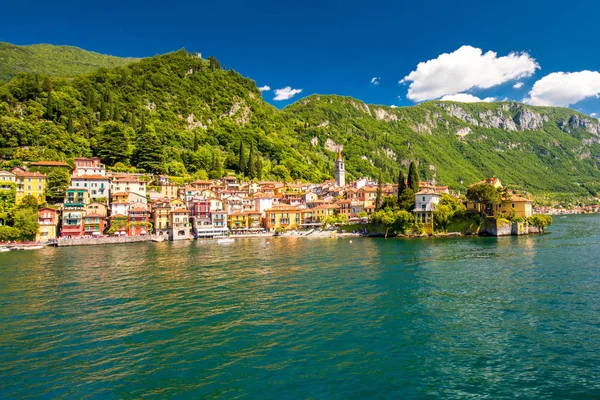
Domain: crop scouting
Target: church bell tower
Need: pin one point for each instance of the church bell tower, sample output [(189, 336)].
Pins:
[(340, 171)]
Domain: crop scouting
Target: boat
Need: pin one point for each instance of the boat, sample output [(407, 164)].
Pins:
[(158, 239), (4, 249), (33, 247), (225, 241)]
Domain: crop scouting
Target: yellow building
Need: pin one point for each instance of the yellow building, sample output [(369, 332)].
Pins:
[(283, 217), (160, 210), (48, 224), (520, 206), (30, 183), (245, 220), (169, 190), (237, 220), (321, 213)]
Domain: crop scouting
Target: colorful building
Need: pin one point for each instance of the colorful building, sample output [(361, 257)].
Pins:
[(30, 183), (282, 217), (48, 224), (139, 221), (179, 221)]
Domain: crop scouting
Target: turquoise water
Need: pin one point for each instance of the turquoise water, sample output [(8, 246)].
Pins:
[(307, 318)]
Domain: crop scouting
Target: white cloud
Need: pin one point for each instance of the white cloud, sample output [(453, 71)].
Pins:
[(564, 88), (393, 106), (286, 93), (464, 69), (518, 85), (375, 80), (466, 98), (265, 88), (593, 115)]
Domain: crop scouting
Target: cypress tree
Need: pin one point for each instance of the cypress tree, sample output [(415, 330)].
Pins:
[(242, 160), (251, 170), (47, 85), (379, 197), (413, 177), (143, 124), (401, 183), (195, 141), (116, 114), (259, 167)]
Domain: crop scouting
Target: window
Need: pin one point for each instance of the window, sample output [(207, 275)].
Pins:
[(28, 187), (28, 179), (423, 198), (39, 187), (513, 205)]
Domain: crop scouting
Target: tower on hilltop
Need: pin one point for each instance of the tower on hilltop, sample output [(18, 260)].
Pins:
[(340, 171)]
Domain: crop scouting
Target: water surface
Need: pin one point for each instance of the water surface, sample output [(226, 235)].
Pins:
[(307, 318)]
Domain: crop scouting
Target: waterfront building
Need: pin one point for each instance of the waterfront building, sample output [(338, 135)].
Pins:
[(48, 224), (94, 220), (139, 222), (119, 204), (201, 184), (321, 212), (160, 210), (29, 183), (283, 217), (340, 171), (425, 202), (179, 225), (73, 212), (519, 205)]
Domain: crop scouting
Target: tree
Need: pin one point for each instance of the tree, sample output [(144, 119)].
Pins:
[(112, 142), (216, 172), (406, 201), (379, 196), (259, 167), (413, 177), (242, 159), (9, 233), (541, 221), (70, 122), (29, 202), (251, 168), (26, 221), (485, 195), (57, 183), (401, 184), (213, 63), (148, 154)]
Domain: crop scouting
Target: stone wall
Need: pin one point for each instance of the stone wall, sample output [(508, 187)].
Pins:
[(103, 240), (493, 227)]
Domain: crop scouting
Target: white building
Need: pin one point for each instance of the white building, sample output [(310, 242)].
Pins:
[(98, 186), (128, 183), (425, 203)]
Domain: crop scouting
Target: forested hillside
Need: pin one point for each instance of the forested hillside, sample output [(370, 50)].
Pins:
[(180, 114), (52, 60)]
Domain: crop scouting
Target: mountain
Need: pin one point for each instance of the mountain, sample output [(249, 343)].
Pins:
[(535, 149), (180, 114), (52, 60)]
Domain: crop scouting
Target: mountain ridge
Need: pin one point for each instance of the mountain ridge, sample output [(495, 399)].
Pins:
[(197, 114), (53, 60)]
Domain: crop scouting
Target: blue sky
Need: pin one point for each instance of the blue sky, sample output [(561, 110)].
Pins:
[(338, 47)]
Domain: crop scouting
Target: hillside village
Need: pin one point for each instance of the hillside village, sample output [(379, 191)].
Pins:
[(101, 203)]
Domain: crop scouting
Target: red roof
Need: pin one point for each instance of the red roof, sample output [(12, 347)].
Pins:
[(50, 164)]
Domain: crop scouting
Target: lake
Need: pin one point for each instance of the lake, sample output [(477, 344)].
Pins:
[(273, 318)]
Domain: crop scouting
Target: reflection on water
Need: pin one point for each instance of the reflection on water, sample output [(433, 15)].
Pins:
[(300, 317)]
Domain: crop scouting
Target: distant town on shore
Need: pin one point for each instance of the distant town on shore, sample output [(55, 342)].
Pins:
[(99, 203)]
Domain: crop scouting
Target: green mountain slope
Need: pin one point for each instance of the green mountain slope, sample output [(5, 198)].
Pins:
[(53, 60), (179, 114), (537, 149)]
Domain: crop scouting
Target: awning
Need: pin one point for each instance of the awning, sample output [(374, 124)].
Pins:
[(96, 233)]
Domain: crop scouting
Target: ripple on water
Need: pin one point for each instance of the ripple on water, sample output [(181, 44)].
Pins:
[(297, 318)]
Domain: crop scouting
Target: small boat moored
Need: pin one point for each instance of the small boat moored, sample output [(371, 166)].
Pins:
[(225, 241)]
